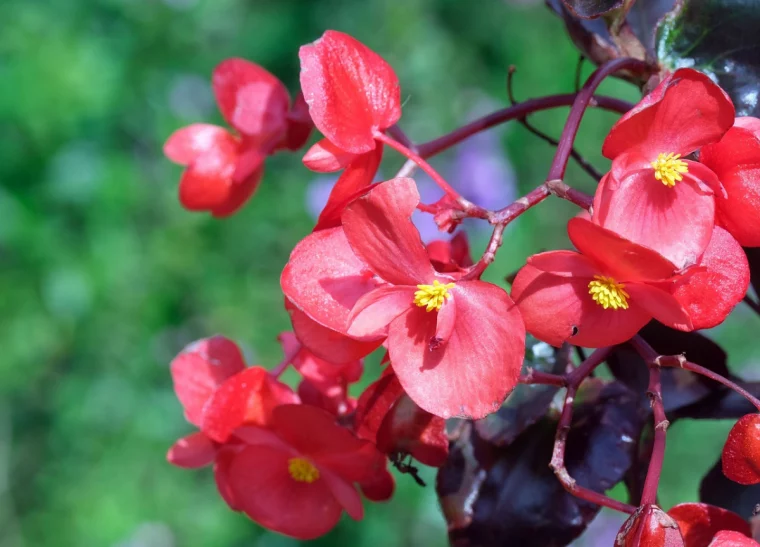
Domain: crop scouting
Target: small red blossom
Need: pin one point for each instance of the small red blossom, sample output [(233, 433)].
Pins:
[(741, 453), (649, 525), (699, 522), (652, 195), (736, 161), (298, 475), (450, 256), (728, 538), (599, 296), (223, 168)]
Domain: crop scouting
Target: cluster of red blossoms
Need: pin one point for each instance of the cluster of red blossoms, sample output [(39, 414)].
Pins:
[(663, 239)]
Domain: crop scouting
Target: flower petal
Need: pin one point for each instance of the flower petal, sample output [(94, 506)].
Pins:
[(264, 490), (252, 100), (564, 264), (374, 311), (195, 450), (374, 404), (379, 228), (345, 494), (741, 453), (207, 182), (324, 278), (300, 125), (187, 143), (351, 91), (559, 309), (325, 157), (699, 522), (380, 486), (730, 538), (661, 305), (239, 194), (349, 186), (623, 259), (687, 110), (200, 368), (475, 370), (711, 294)]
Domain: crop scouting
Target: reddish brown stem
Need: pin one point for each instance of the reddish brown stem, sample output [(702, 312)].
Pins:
[(515, 112), (544, 378), (652, 481)]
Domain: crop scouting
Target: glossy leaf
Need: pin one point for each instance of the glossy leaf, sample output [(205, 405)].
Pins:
[(590, 9)]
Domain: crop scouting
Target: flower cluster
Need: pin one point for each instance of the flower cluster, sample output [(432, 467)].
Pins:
[(662, 240)]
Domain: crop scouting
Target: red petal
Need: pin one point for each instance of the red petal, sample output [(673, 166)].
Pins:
[(251, 99), (224, 460), (325, 157), (676, 222), (299, 124), (564, 264), (379, 228), (187, 143), (379, 487), (732, 539), (326, 343), (741, 453), (374, 311), (351, 91), (247, 398), (711, 294), (195, 450), (660, 304), (345, 494), (621, 258), (374, 404), (351, 184), (649, 526), (445, 321), (239, 194), (450, 256), (559, 309), (687, 110), (207, 182), (265, 491), (699, 522), (200, 368), (409, 429), (324, 278), (736, 162), (472, 374)]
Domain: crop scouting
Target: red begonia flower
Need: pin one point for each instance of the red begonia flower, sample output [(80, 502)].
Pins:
[(741, 453), (200, 368), (351, 91), (299, 475), (456, 346), (651, 195), (325, 384), (599, 296), (699, 522), (386, 416), (709, 295), (649, 525), (729, 538), (450, 256), (736, 161)]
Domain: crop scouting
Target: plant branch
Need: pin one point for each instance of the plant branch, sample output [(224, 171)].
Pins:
[(661, 423), (752, 304)]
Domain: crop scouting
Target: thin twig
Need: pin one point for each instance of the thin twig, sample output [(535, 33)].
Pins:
[(752, 304), (652, 480)]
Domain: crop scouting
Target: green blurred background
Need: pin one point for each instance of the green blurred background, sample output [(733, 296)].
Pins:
[(105, 278)]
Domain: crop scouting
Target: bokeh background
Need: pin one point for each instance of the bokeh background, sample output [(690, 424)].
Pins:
[(104, 278)]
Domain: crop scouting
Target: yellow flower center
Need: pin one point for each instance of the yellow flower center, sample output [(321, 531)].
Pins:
[(608, 293), (432, 297), (302, 470), (669, 169)]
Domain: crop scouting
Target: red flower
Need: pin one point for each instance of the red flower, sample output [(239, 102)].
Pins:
[(741, 453), (699, 522), (325, 384), (600, 296), (652, 195), (728, 538), (297, 476), (736, 161), (224, 169), (649, 525), (450, 256)]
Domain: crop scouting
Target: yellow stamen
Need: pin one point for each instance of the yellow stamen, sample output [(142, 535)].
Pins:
[(432, 297), (668, 169), (608, 293), (302, 470)]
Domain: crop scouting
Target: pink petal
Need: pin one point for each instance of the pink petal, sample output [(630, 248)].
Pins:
[(207, 182), (351, 184), (187, 143), (472, 374), (660, 304), (379, 487), (195, 450), (741, 453), (224, 460), (325, 157), (560, 309), (730, 538), (239, 194), (299, 124), (445, 322), (374, 404), (687, 110), (324, 278), (345, 494), (676, 222), (326, 343), (379, 228), (351, 91), (621, 258), (710, 295), (699, 522), (375, 310), (200, 368), (564, 264), (251, 99)]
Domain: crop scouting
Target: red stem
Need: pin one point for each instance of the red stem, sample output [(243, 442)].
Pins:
[(652, 481), (520, 110)]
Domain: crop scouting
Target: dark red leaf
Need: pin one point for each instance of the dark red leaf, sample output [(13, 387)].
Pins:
[(591, 9)]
